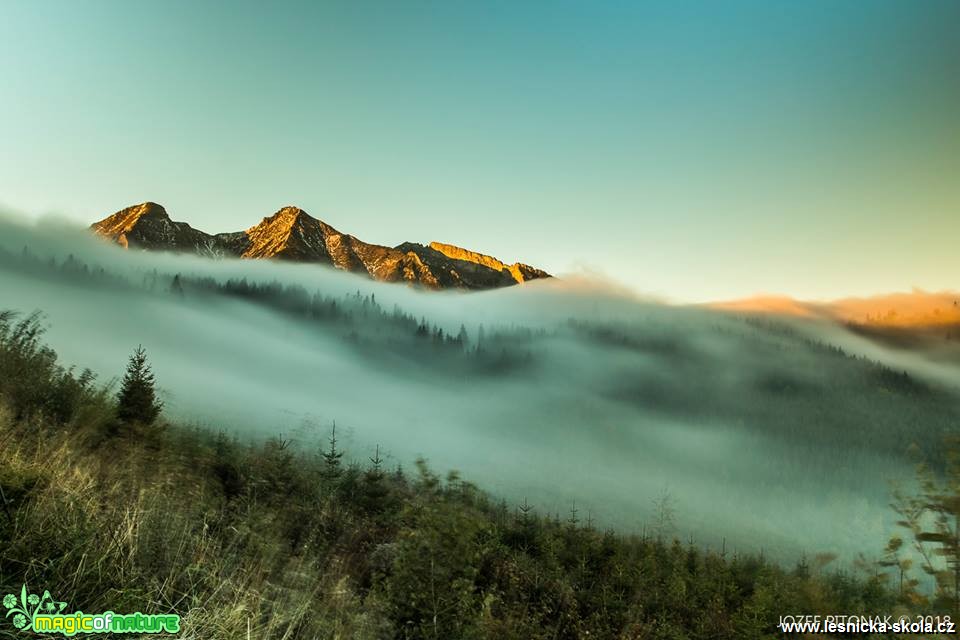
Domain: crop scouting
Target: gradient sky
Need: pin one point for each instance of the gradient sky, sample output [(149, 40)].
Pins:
[(698, 150)]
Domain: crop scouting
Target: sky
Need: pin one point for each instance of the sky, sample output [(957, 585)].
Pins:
[(692, 150)]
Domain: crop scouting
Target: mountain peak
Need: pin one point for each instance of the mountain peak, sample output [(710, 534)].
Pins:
[(290, 217), (290, 214), (290, 233), (293, 234), (150, 207), (131, 215), (131, 223)]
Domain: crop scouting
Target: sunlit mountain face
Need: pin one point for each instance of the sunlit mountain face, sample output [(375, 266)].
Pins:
[(291, 234)]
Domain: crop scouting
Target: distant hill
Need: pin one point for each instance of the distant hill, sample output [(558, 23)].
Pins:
[(292, 234), (914, 310)]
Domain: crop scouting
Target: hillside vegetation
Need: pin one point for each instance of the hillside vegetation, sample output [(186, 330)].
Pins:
[(262, 540), (777, 435)]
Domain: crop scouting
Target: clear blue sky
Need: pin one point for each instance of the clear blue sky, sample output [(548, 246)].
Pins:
[(701, 150)]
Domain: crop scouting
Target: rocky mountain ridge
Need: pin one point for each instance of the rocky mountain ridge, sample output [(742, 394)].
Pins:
[(292, 234)]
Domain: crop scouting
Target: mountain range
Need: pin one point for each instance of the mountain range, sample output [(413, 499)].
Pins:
[(292, 234)]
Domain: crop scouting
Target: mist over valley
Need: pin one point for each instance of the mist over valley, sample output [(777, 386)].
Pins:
[(773, 432)]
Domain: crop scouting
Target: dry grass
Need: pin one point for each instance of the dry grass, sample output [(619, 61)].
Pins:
[(129, 527)]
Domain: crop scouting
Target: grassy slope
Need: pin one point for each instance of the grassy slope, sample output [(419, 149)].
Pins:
[(260, 538)]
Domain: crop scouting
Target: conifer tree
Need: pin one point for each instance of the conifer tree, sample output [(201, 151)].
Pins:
[(376, 471), (528, 526), (573, 520), (137, 402), (176, 287), (331, 457), (375, 489), (524, 513)]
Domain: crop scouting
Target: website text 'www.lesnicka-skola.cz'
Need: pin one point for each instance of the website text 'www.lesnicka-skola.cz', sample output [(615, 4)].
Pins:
[(937, 625)]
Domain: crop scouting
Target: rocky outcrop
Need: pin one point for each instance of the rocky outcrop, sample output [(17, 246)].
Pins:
[(518, 271)]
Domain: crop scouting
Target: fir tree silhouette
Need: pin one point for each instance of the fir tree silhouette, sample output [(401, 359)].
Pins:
[(137, 402)]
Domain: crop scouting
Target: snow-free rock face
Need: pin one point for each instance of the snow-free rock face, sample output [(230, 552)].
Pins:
[(518, 271), (148, 226), (292, 234), (455, 272)]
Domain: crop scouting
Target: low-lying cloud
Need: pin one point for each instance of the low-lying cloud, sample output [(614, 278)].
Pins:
[(760, 433)]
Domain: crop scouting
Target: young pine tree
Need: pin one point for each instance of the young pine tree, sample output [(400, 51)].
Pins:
[(137, 401), (375, 491), (331, 458)]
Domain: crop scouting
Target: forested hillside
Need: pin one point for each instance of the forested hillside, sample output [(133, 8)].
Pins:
[(780, 437), (267, 539)]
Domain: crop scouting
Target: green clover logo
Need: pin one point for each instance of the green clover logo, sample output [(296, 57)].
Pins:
[(28, 605)]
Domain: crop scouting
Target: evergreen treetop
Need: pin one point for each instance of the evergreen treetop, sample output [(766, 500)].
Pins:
[(137, 401)]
